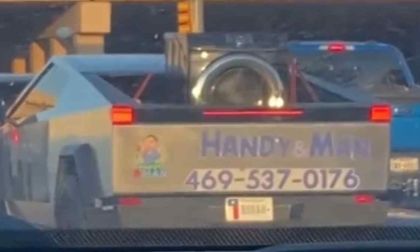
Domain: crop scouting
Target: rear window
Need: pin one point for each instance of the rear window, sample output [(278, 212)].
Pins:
[(369, 69), (307, 91)]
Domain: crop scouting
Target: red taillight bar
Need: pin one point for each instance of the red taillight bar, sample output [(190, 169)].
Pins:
[(380, 113), (363, 199), (337, 47), (234, 113), (122, 115), (15, 135), (129, 201)]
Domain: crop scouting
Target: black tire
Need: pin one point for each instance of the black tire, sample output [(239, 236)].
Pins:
[(396, 198), (68, 207)]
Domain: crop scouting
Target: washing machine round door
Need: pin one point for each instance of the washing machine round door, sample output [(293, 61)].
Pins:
[(238, 81)]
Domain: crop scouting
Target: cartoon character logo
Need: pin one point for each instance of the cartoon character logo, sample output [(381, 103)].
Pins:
[(149, 158)]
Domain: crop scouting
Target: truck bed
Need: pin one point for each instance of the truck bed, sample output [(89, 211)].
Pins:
[(251, 157)]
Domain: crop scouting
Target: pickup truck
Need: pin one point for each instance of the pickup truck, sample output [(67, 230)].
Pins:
[(219, 131), (378, 71)]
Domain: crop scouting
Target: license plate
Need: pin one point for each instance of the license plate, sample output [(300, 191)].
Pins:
[(404, 164), (273, 180), (249, 209)]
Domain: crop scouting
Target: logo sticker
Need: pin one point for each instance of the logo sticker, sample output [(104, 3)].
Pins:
[(149, 158)]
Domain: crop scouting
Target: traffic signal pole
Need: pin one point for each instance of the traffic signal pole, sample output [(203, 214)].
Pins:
[(190, 16), (198, 8)]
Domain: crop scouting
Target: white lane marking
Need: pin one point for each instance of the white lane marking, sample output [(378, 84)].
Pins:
[(404, 213)]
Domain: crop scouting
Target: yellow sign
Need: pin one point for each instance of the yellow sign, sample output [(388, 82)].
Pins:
[(184, 8), (249, 209), (406, 164)]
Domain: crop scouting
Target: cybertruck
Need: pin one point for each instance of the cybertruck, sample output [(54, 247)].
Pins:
[(220, 131)]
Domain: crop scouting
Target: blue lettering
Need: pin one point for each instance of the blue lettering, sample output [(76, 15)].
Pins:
[(283, 145), (321, 143), (266, 146), (209, 144), (362, 147), (230, 147), (249, 146), (343, 147)]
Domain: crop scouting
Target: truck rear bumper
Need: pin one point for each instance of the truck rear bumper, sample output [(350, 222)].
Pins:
[(209, 212), (404, 183)]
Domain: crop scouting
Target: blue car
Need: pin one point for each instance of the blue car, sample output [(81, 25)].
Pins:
[(377, 71)]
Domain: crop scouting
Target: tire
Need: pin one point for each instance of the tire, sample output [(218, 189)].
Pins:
[(396, 198), (68, 207)]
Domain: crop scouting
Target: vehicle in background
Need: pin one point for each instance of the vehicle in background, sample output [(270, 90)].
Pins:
[(378, 70), (220, 131), (414, 64)]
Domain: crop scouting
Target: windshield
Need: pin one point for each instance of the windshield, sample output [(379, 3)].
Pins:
[(367, 69)]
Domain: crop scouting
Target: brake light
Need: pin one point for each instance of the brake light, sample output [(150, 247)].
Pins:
[(380, 113), (257, 113), (336, 47), (15, 136), (129, 201), (122, 114), (362, 199)]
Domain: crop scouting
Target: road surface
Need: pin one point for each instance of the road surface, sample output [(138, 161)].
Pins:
[(403, 217), (396, 216)]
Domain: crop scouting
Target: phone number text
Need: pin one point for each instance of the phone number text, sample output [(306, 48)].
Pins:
[(297, 179)]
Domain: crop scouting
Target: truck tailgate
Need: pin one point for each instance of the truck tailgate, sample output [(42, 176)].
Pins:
[(338, 157)]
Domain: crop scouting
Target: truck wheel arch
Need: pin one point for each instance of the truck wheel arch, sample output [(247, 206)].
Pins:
[(86, 169)]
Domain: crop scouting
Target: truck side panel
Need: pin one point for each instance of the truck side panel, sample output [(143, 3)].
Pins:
[(29, 162), (92, 127)]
